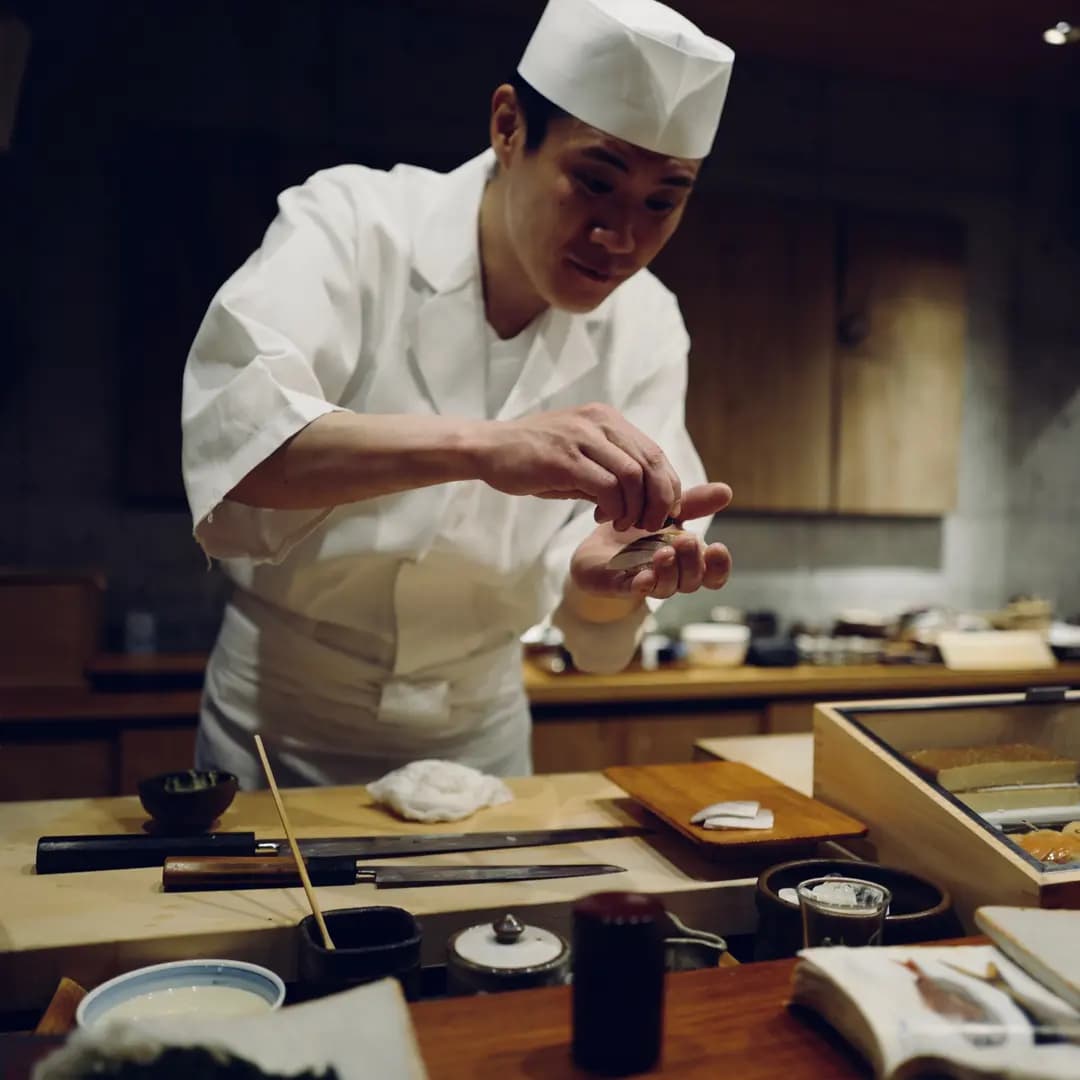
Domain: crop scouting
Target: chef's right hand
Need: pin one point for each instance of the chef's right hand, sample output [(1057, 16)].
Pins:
[(589, 452)]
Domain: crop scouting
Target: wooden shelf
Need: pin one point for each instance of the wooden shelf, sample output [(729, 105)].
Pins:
[(871, 680), (68, 741), (77, 703)]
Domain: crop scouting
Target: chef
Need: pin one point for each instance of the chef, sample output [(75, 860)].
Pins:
[(427, 411)]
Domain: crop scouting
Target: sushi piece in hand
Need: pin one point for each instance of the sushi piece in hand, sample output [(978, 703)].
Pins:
[(638, 554)]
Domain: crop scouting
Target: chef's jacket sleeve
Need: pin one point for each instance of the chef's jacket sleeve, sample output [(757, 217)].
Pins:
[(656, 353), (278, 345)]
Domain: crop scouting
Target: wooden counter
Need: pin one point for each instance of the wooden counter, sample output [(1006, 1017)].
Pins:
[(721, 1022), (90, 926)]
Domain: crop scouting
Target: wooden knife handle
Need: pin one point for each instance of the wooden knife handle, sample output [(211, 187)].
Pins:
[(193, 873)]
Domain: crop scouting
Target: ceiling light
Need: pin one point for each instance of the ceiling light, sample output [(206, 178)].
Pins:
[(1062, 34)]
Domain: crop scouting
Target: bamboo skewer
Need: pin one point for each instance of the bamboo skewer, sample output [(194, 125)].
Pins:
[(300, 865)]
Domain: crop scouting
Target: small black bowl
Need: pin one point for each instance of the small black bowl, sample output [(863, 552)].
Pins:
[(921, 909), (190, 799)]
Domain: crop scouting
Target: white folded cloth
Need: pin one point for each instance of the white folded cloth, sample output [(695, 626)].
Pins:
[(433, 790)]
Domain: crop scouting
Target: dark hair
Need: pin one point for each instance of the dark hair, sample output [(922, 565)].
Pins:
[(537, 111)]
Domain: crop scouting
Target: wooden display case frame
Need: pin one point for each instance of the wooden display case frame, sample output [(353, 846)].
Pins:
[(860, 767)]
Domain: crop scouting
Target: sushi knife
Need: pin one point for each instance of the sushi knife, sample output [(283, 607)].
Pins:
[(67, 854), (193, 874)]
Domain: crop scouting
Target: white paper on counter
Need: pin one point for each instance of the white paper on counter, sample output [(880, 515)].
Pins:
[(763, 819), (740, 808)]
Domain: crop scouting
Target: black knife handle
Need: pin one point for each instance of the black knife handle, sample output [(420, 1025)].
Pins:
[(66, 854), (185, 873)]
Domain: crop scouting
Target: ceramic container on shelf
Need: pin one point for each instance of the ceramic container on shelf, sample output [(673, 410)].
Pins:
[(505, 955), (715, 644)]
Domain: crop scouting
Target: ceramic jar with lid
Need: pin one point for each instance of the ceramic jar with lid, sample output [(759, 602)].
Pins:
[(505, 955)]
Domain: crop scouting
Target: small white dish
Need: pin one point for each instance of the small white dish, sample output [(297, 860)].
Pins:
[(183, 987)]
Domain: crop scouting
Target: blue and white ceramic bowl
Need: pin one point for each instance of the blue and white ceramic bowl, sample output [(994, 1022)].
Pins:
[(183, 987)]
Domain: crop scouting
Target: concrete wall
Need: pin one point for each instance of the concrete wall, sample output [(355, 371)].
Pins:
[(1002, 168), (1043, 518)]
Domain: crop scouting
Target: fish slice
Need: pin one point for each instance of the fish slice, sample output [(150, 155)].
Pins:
[(638, 554)]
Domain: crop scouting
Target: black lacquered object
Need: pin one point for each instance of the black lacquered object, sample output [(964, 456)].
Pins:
[(370, 943), (618, 983), (71, 854)]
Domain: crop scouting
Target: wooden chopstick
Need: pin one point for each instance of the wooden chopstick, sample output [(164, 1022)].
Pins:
[(300, 865)]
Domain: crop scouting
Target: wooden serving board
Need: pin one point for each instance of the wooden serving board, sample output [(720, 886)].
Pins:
[(676, 792)]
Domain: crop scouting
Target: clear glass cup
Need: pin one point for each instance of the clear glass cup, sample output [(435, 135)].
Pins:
[(842, 911)]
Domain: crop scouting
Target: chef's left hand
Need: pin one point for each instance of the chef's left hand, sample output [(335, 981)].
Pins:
[(684, 566)]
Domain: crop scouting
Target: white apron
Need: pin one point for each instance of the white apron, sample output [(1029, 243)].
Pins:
[(328, 714), (368, 635)]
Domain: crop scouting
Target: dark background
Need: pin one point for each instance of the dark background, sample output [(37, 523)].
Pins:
[(151, 139)]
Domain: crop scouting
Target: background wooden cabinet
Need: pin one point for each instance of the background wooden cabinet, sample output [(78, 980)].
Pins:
[(755, 283), (88, 758), (900, 349), (583, 738), (827, 352)]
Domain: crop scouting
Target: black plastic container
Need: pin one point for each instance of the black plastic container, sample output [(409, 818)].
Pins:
[(618, 983), (920, 910), (370, 943)]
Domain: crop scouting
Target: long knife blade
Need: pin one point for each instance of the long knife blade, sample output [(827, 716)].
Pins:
[(67, 854), (372, 847), (199, 873), (396, 877)]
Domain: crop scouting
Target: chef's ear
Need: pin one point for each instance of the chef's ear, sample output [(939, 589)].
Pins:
[(507, 124)]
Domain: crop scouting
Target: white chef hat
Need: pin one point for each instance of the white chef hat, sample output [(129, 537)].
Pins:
[(634, 69)]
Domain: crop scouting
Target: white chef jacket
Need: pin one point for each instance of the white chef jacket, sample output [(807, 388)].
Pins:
[(363, 636)]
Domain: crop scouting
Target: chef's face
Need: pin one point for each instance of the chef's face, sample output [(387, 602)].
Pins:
[(584, 211)]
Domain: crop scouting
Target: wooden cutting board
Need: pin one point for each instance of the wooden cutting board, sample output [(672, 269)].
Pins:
[(676, 792)]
